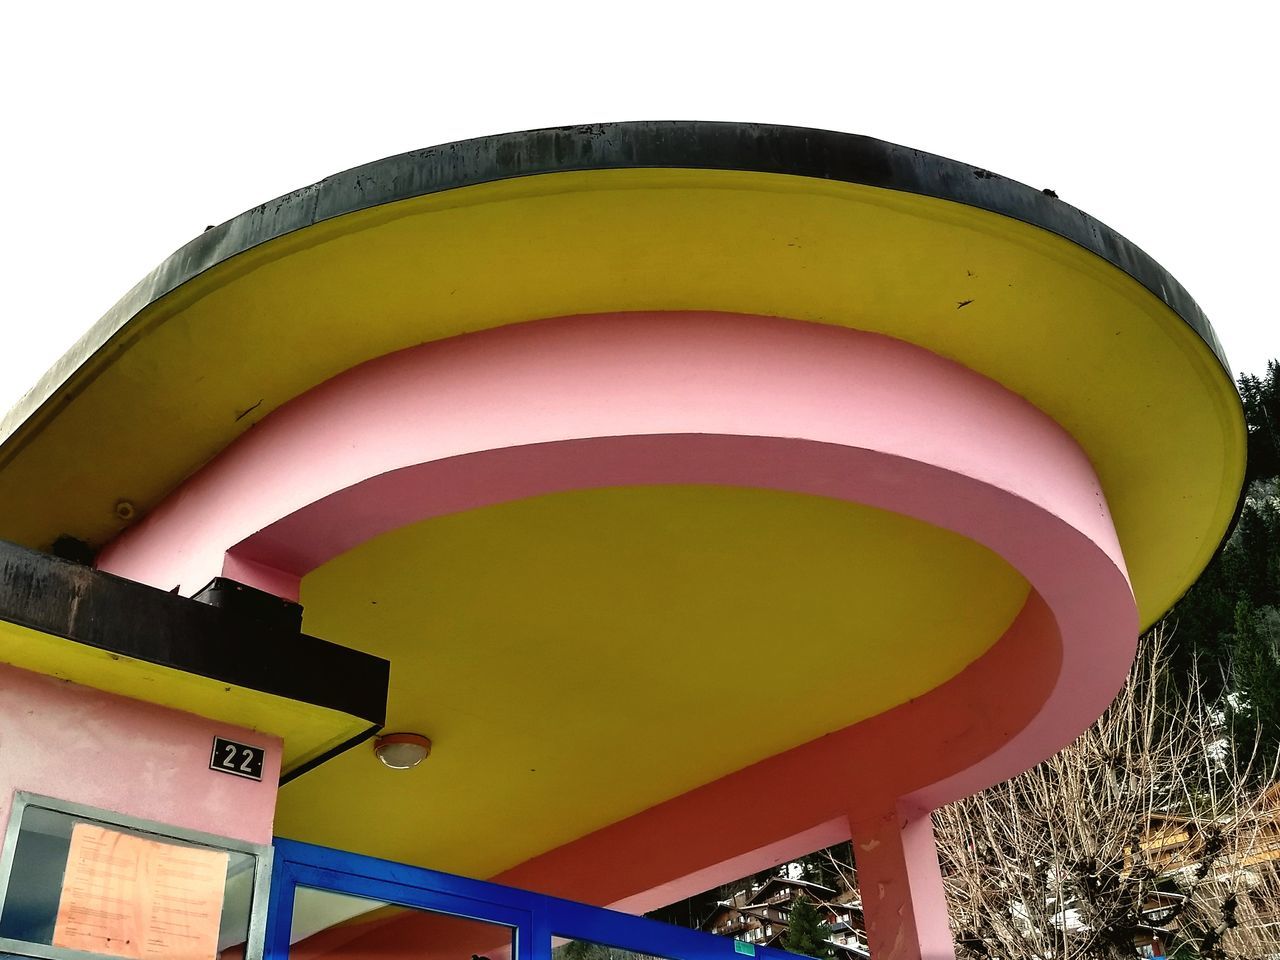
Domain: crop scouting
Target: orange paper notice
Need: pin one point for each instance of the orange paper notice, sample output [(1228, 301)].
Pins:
[(127, 896)]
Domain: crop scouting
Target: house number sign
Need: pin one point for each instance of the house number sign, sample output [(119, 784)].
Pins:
[(237, 759)]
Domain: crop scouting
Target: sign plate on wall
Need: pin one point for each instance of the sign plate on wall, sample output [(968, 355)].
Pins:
[(109, 905), (237, 759)]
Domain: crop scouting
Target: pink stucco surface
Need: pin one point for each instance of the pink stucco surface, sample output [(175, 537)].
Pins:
[(704, 398), (74, 743), (596, 377), (899, 881), (681, 398)]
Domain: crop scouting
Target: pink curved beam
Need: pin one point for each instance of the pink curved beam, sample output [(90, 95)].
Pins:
[(596, 377), (701, 398)]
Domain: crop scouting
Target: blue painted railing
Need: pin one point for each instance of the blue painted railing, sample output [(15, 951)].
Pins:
[(533, 918)]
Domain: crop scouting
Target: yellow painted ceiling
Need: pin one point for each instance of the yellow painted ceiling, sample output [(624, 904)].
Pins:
[(1076, 336), (581, 656)]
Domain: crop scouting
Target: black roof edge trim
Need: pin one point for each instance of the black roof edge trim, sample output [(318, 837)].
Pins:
[(129, 619), (690, 144)]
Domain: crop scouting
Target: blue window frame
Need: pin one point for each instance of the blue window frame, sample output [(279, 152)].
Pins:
[(534, 918)]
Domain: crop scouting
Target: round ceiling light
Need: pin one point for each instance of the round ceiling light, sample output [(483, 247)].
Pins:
[(401, 751)]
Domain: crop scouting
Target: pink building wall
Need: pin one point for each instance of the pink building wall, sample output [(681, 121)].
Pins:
[(63, 740)]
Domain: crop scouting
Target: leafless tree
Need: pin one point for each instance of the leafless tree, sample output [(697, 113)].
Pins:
[(1155, 822), (1151, 823)]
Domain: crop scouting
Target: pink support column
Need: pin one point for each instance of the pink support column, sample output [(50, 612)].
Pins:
[(903, 903)]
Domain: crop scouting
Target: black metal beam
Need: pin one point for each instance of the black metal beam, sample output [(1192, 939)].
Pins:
[(232, 644)]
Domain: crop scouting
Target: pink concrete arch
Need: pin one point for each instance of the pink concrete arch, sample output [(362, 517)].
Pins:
[(600, 377), (597, 401)]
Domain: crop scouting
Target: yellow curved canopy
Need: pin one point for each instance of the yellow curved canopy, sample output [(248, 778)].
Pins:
[(1075, 335)]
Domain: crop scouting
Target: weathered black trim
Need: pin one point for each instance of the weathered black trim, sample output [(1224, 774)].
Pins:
[(795, 151), (250, 603), (328, 755), (129, 619)]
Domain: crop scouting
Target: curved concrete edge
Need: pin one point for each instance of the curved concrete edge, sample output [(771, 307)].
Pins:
[(765, 148), (590, 378), (1028, 696), (700, 398)]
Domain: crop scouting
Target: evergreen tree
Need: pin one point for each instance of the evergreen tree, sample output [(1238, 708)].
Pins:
[(1228, 624), (1256, 674), (807, 932), (1261, 399)]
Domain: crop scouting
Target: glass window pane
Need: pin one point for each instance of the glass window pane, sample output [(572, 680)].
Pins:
[(94, 886), (568, 949), (337, 925)]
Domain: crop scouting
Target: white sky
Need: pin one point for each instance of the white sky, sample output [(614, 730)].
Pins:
[(131, 126)]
